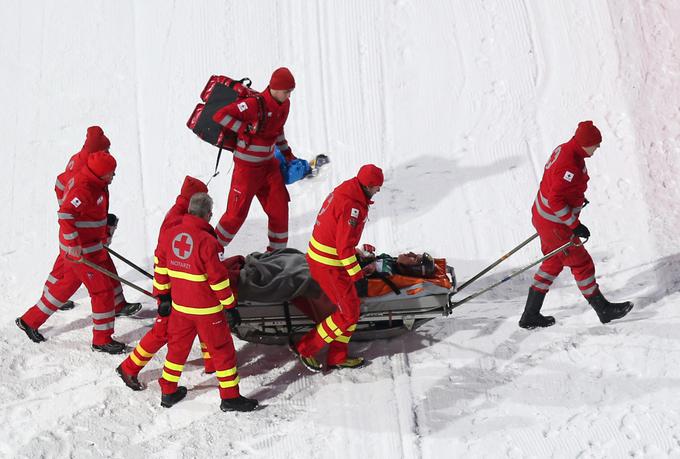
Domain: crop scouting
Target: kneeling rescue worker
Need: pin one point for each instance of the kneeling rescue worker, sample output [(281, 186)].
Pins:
[(334, 265)]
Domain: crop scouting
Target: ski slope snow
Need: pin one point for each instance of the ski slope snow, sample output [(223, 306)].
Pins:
[(460, 102)]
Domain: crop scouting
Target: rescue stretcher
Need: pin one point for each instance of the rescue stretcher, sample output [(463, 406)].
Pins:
[(389, 310)]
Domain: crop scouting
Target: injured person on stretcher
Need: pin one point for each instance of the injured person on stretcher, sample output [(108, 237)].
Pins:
[(278, 298)]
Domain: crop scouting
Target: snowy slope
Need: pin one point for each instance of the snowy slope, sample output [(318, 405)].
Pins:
[(460, 102)]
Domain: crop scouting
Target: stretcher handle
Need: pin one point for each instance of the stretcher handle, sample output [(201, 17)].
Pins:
[(454, 304), (87, 262)]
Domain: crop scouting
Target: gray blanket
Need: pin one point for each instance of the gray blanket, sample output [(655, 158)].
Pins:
[(276, 276)]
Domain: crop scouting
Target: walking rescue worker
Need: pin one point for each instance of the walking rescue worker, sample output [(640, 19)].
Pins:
[(95, 140), (82, 233), (334, 265), (193, 288), (157, 337), (555, 215), (256, 170)]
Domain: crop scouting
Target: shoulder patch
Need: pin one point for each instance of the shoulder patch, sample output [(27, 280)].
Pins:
[(353, 222), (76, 202), (568, 176), (354, 212), (242, 106)]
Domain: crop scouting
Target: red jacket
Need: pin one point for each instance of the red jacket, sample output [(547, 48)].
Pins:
[(338, 229), (190, 270), (83, 211), (76, 163), (256, 149), (562, 192), (172, 219)]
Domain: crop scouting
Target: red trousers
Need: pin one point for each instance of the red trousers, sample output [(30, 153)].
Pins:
[(577, 258), (118, 298), (336, 329), (266, 183), (151, 343), (56, 293), (212, 329)]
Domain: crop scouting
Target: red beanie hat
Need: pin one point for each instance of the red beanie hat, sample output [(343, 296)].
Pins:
[(101, 163), (96, 140), (370, 175), (587, 134), (282, 79), (191, 186)]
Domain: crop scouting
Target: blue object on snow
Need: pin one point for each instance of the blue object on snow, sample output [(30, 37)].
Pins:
[(294, 170)]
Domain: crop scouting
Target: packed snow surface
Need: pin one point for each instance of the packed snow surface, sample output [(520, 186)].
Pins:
[(461, 103)]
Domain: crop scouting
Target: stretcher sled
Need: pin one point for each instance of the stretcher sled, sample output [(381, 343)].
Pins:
[(278, 299)]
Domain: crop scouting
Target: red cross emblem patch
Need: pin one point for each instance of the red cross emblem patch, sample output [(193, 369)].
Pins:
[(182, 246)]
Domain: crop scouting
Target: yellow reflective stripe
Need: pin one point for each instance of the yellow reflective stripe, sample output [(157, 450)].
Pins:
[(206, 355), (349, 260), (352, 327), (197, 311), (228, 301), (322, 332), (354, 270), (220, 286), (323, 260), (187, 276), (142, 351), (138, 362), (160, 270), (331, 324), (161, 286), (342, 339), (232, 383), (155, 260), (168, 377), (323, 248), (226, 373), (174, 366)]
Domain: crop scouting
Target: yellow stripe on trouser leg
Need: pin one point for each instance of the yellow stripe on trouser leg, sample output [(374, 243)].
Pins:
[(322, 333), (139, 362), (168, 377), (226, 373), (173, 366), (232, 383)]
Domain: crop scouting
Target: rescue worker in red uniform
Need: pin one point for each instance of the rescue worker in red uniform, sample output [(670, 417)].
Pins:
[(95, 140), (256, 170), (194, 289), (157, 337), (555, 215), (333, 264), (82, 233)]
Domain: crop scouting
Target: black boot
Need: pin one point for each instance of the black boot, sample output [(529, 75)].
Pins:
[(607, 311), (168, 400), (532, 317), (131, 381), (32, 333), (129, 309), (112, 347), (239, 403)]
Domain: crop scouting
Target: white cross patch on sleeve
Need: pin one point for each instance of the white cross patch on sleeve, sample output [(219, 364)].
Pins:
[(568, 176), (242, 106), (75, 201), (355, 212)]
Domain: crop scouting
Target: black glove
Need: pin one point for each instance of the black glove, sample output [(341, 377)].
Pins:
[(362, 287), (234, 318), (111, 220), (165, 305), (581, 231)]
